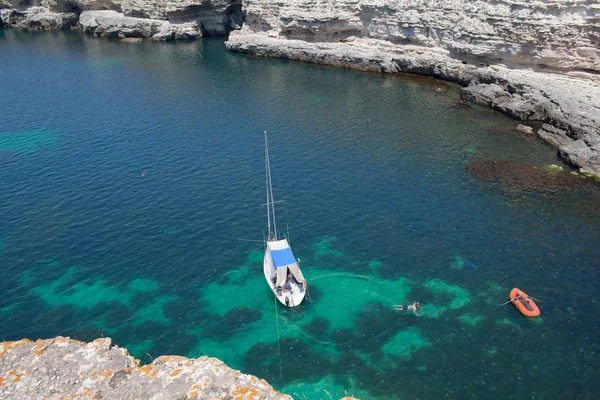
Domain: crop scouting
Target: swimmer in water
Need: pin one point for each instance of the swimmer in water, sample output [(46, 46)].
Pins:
[(412, 307)]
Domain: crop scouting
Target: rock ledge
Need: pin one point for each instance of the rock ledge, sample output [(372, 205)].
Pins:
[(62, 368)]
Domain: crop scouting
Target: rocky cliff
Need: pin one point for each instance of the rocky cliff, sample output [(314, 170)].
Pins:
[(211, 17), (561, 34), (62, 368), (536, 60)]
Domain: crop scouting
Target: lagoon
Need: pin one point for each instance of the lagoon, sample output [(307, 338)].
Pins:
[(132, 192)]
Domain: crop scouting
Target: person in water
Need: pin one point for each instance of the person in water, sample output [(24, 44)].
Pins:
[(411, 307)]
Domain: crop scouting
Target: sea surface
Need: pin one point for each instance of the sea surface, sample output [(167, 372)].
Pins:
[(132, 196)]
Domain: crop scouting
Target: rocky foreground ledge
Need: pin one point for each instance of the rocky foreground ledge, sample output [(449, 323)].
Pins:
[(62, 368)]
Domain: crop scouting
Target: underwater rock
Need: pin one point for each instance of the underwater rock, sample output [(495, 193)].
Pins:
[(522, 176), (458, 262), (471, 319), (554, 167), (405, 342), (62, 367)]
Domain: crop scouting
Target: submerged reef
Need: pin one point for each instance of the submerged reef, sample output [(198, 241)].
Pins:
[(26, 142), (520, 176), (349, 323)]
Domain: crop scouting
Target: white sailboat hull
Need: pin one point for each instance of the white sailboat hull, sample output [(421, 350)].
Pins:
[(289, 298)]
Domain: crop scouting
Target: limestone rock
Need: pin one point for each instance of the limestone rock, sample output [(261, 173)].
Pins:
[(216, 17), (62, 367), (577, 153), (556, 136), (113, 24), (556, 33), (37, 19)]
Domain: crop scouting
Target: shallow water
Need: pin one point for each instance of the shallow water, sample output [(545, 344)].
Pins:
[(131, 196)]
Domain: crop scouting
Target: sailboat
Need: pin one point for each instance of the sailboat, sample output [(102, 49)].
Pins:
[(281, 268)]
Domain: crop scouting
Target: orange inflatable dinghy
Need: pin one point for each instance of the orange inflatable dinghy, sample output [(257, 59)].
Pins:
[(524, 303)]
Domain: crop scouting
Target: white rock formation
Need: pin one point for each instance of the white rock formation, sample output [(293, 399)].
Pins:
[(536, 60), (213, 17), (113, 24), (37, 18), (554, 33)]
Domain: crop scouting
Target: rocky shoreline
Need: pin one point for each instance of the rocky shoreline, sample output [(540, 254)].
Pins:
[(162, 20), (535, 61), (567, 105), (62, 367)]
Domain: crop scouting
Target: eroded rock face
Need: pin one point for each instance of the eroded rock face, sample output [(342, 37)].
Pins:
[(555, 33), (215, 17), (114, 24), (533, 60), (38, 19), (61, 367)]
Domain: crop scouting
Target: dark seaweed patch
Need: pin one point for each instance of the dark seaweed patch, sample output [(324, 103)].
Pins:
[(319, 327), (376, 325), (233, 321), (520, 176), (299, 361)]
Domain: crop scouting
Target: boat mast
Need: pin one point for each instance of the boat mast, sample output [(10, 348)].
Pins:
[(270, 202), (267, 184)]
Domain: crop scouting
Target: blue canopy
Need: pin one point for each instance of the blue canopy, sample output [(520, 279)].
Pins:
[(282, 257)]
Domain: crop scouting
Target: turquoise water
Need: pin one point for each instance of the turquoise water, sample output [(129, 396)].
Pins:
[(132, 184)]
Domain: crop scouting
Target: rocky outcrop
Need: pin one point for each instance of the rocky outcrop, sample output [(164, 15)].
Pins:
[(533, 60), (215, 17), (64, 368), (37, 19), (561, 34), (114, 24)]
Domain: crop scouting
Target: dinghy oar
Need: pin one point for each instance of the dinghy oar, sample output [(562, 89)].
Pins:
[(503, 304)]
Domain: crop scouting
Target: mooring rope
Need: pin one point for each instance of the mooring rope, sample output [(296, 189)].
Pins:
[(278, 336)]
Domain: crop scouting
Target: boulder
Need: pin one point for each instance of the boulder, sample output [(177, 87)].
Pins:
[(554, 135), (577, 153), (524, 128)]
